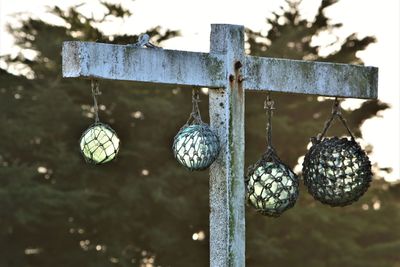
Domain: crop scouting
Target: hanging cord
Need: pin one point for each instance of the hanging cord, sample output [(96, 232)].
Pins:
[(195, 116), (336, 112), (269, 107), (95, 92), (270, 154)]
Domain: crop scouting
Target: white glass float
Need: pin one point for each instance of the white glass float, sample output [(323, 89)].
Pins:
[(99, 144)]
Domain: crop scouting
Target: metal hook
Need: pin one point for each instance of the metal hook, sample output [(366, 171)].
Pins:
[(336, 107), (269, 103), (95, 87), (195, 96)]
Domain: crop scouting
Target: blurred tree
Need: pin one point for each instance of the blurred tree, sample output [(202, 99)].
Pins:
[(55, 210)]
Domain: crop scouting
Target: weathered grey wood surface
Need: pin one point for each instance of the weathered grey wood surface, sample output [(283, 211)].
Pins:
[(120, 62), (308, 77), (227, 194)]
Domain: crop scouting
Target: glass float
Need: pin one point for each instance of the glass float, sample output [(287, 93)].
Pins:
[(99, 144)]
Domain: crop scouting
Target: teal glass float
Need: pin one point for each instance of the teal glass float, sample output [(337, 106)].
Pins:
[(99, 144), (195, 146)]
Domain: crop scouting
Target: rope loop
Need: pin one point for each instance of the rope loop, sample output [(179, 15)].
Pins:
[(195, 116), (336, 112), (95, 92)]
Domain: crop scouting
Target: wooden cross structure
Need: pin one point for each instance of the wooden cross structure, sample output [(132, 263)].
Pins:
[(228, 72)]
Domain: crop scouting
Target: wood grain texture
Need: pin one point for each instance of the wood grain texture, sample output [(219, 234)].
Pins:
[(227, 191)]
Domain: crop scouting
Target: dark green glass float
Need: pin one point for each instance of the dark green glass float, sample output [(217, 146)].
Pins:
[(336, 171), (99, 144)]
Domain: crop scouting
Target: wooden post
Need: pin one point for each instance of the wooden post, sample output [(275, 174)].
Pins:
[(227, 218)]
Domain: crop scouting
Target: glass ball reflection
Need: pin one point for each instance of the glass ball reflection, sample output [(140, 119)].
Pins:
[(272, 188), (99, 144), (196, 146), (336, 171)]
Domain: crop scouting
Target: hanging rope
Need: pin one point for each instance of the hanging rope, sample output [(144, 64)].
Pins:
[(269, 107), (95, 92), (336, 112), (195, 116)]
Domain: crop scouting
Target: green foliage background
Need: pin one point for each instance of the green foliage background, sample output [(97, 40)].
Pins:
[(75, 214)]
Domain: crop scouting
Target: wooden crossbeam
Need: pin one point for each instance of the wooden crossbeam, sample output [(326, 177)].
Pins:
[(121, 62), (310, 77)]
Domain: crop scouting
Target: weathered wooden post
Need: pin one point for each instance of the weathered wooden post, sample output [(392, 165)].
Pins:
[(227, 219), (228, 72)]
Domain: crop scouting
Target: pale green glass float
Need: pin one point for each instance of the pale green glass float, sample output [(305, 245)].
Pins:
[(272, 187), (99, 144)]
